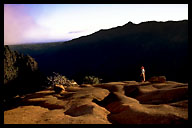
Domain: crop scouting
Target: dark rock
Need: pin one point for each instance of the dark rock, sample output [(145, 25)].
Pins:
[(59, 88), (157, 79)]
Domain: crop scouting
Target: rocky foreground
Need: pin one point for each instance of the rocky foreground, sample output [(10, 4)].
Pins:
[(127, 102)]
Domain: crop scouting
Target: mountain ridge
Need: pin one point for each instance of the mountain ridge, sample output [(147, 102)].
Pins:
[(110, 53), (128, 23)]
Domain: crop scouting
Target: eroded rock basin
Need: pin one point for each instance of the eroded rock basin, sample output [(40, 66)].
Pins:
[(127, 102)]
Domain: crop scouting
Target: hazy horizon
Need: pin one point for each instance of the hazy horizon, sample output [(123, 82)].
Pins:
[(39, 23), (61, 41)]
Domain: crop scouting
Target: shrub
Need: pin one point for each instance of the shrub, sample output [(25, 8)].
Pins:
[(58, 79), (91, 80)]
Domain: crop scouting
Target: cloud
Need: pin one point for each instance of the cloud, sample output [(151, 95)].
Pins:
[(75, 32), (16, 22), (19, 25)]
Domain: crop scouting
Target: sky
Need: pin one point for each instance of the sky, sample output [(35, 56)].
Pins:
[(38, 23)]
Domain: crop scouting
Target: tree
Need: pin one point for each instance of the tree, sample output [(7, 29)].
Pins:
[(91, 80)]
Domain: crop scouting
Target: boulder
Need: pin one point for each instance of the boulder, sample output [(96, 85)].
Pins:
[(59, 88), (157, 79)]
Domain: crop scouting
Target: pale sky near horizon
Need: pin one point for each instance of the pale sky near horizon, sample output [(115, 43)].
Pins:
[(32, 23)]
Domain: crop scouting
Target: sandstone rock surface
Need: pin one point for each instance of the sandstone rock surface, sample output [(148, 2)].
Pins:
[(157, 79), (126, 102)]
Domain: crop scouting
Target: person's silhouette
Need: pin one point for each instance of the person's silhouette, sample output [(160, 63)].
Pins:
[(143, 73)]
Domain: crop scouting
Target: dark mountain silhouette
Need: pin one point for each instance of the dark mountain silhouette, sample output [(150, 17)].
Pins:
[(118, 53)]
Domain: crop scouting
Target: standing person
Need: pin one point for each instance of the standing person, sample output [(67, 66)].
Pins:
[(143, 73)]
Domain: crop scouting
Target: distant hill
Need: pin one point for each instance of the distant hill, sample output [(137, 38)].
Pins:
[(118, 53)]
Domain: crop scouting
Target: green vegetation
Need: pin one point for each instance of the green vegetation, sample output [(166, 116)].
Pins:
[(21, 75), (58, 79), (16, 64), (10, 70), (91, 80)]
